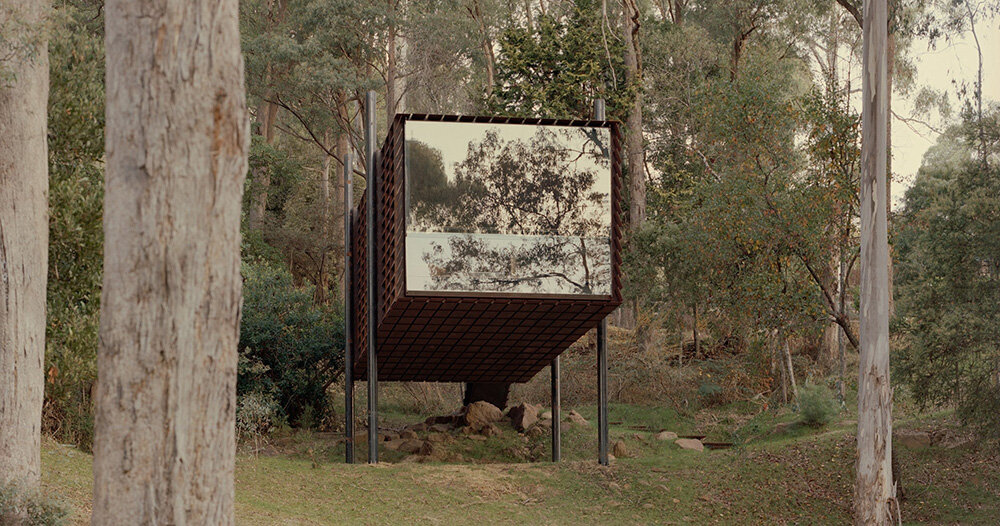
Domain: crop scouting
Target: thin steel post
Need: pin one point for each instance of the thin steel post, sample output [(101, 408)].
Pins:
[(602, 355), (348, 313), (556, 405), (602, 392), (372, 183), (599, 111)]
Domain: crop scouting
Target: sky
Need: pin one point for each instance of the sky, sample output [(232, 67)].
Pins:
[(953, 59)]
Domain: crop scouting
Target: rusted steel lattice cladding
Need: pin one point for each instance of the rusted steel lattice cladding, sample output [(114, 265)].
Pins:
[(467, 337)]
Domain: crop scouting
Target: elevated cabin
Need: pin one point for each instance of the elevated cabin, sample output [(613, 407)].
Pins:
[(498, 245)]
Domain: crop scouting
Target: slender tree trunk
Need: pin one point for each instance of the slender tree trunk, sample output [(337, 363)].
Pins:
[(787, 354), (874, 492), (326, 217), (391, 77), (177, 139), (343, 147), (24, 234), (841, 343), (694, 331), (267, 112)]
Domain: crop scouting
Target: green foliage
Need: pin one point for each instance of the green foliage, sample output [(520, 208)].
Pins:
[(817, 405), (21, 507), (948, 276), (560, 67), (290, 349), (76, 192)]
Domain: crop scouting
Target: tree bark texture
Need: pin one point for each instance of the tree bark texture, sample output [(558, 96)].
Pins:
[(24, 234), (874, 492), (176, 148)]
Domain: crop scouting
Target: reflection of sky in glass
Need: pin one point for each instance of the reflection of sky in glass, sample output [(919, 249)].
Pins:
[(508, 208)]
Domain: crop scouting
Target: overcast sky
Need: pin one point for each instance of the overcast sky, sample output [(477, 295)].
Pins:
[(954, 60)]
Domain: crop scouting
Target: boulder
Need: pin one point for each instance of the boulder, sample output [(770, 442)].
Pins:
[(437, 437), (405, 445), (576, 418), (408, 433), (427, 449), (619, 450), (544, 424), (523, 416), (665, 435), (440, 428), (478, 414), (692, 444), (911, 439), (546, 415), (422, 426)]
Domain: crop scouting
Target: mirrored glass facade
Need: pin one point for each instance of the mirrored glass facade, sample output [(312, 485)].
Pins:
[(508, 208)]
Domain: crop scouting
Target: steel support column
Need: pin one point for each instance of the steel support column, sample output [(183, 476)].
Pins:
[(556, 416), (348, 314), (372, 242), (602, 392), (602, 356)]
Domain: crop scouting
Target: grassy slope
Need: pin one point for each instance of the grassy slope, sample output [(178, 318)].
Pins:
[(800, 477)]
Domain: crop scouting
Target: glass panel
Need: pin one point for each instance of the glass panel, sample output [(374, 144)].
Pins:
[(508, 208)]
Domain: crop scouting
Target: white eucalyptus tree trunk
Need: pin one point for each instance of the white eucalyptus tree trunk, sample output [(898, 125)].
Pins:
[(874, 502), (177, 139), (24, 235)]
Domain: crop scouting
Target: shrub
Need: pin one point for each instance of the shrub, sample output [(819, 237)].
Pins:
[(290, 349), (22, 507), (817, 405), (256, 415)]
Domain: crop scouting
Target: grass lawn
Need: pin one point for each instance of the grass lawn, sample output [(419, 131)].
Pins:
[(799, 476)]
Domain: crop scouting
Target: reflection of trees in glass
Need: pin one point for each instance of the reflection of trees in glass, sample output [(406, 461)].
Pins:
[(544, 187), (546, 265)]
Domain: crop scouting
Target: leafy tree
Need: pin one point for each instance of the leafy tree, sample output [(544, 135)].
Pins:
[(948, 279), (76, 194), (289, 348)]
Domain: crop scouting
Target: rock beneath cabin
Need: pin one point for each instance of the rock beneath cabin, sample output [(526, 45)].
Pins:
[(576, 418), (619, 450), (523, 416), (691, 444), (911, 439), (422, 426), (478, 414), (408, 433), (665, 435), (546, 415), (405, 445), (440, 428)]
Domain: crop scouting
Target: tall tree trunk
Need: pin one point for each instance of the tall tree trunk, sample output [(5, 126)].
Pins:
[(24, 235), (874, 491), (177, 139), (634, 144)]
